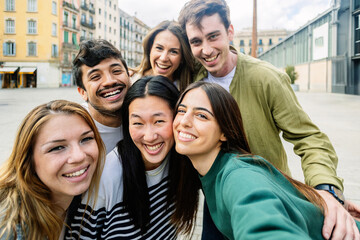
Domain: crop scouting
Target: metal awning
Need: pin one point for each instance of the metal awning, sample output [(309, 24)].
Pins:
[(8, 70), (27, 70)]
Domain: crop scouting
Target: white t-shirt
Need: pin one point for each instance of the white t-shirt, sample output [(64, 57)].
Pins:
[(222, 81), (110, 135)]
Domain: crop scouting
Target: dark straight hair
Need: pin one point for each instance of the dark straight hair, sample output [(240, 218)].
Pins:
[(182, 175)]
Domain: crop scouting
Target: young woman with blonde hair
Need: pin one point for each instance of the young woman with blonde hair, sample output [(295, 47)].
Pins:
[(57, 155)]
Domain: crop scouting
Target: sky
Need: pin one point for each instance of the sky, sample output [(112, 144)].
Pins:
[(272, 14)]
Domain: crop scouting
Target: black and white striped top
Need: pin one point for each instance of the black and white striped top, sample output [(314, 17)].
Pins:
[(109, 220)]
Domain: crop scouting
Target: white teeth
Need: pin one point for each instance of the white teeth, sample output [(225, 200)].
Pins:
[(153, 148), (162, 66), (210, 59), (109, 94), (185, 135), (76, 174)]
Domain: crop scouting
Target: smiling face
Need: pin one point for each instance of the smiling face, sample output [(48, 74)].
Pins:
[(105, 87), (210, 44), (165, 54), (65, 156), (150, 127), (196, 131)]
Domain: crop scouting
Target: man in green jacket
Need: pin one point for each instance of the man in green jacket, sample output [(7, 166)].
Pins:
[(268, 107)]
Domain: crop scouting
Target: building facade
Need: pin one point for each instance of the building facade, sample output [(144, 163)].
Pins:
[(30, 43), (326, 51), (107, 21), (132, 33), (266, 39), (69, 38), (87, 19)]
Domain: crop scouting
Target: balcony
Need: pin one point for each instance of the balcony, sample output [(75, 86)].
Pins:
[(67, 27), (84, 7), (71, 7), (88, 25), (70, 46), (92, 10)]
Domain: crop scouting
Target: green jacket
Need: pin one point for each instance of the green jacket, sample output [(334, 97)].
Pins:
[(269, 108), (249, 199)]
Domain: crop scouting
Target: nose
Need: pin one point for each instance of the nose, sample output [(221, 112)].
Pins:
[(207, 49), (108, 79), (186, 120), (77, 154), (150, 135), (163, 56)]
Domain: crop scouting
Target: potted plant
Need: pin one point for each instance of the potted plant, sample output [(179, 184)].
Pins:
[(293, 75)]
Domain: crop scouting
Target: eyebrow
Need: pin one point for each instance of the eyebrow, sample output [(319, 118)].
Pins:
[(154, 115), (63, 140), (198, 108)]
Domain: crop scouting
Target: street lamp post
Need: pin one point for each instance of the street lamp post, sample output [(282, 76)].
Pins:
[(254, 32)]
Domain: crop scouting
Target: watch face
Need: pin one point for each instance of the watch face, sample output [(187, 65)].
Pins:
[(339, 194)]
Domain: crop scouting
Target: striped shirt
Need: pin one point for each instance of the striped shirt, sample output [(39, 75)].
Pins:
[(110, 220)]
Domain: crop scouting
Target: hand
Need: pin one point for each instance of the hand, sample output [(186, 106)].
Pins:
[(353, 209), (338, 222)]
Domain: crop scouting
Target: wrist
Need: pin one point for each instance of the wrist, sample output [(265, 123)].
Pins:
[(334, 191)]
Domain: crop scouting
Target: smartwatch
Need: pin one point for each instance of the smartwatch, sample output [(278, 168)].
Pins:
[(337, 194)]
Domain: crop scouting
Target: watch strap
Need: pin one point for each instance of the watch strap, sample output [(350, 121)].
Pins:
[(337, 194)]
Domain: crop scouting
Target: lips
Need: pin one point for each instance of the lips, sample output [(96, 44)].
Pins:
[(112, 92), (153, 149), (162, 66), (186, 136), (211, 58), (77, 173)]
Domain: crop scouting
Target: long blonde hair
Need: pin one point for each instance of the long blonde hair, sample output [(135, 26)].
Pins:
[(25, 201)]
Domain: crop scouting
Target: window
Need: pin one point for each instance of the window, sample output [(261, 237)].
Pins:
[(114, 19), (270, 41), (9, 49), (114, 31), (114, 6), (54, 50), (250, 42), (242, 50), (109, 29), (74, 21), (83, 18), (260, 42), (91, 21), (91, 35), (66, 57), (10, 26), (66, 18), (83, 33), (32, 27), (242, 43), (280, 39), (54, 8), (10, 5), (110, 3), (99, 25), (110, 16), (99, 11), (32, 6), (66, 36), (74, 41), (53, 29), (31, 48)]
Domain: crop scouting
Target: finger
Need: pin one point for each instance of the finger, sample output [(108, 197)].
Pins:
[(343, 228), (356, 232), (329, 224)]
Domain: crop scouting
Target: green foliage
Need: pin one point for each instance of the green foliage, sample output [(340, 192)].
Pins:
[(293, 75)]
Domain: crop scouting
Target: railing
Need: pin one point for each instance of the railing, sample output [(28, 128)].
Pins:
[(84, 7), (88, 25), (70, 5)]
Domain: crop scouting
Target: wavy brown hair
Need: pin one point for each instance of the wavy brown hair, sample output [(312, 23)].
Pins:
[(186, 68), (25, 201)]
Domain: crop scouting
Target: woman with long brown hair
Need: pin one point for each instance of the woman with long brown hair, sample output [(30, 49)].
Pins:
[(57, 155), (248, 198)]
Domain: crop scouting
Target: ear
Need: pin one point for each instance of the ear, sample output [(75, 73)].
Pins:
[(83, 93), (223, 138), (230, 32)]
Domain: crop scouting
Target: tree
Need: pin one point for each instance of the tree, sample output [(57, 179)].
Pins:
[(293, 75)]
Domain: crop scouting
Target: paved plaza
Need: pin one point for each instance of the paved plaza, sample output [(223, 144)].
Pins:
[(337, 115)]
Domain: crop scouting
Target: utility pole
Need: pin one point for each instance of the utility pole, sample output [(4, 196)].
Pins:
[(254, 32)]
